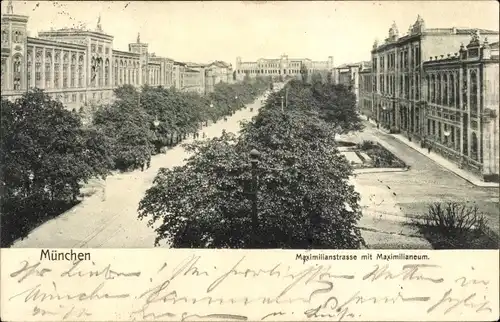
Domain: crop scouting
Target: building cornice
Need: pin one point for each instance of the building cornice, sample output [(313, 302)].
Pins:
[(127, 54), (50, 42), (14, 18), (75, 32)]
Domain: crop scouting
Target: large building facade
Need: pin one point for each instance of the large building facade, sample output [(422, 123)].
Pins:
[(282, 67), (423, 88), (80, 67), (461, 102)]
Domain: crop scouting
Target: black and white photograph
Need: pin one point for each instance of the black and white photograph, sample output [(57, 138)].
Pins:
[(250, 124)]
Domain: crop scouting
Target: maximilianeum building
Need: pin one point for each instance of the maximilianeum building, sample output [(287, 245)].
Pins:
[(80, 67), (282, 66), (401, 100)]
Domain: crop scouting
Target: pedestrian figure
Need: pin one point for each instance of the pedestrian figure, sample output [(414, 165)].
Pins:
[(142, 166), (378, 125), (429, 148), (148, 164), (204, 135)]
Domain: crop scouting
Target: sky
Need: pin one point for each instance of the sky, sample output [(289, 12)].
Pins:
[(223, 30)]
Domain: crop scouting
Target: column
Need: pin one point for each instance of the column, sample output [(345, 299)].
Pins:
[(103, 68), (52, 68)]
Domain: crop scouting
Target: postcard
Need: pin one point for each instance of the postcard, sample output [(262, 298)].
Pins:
[(250, 160)]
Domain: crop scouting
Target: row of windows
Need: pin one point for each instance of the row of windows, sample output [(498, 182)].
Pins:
[(66, 75), (409, 87), (444, 89), (405, 59), (265, 71), (17, 37)]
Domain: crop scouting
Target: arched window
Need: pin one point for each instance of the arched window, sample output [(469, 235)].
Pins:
[(38, 70), (81, 79), (115, 71), (93, 70), (74, 75), (106, 73), (445, 89), (65, 70), (473, 93), (99, 69), (121, 72)]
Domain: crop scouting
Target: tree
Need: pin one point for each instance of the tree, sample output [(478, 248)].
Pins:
[(329, 78), (304, 73), (304, 200), (128, 127), (46, 155)]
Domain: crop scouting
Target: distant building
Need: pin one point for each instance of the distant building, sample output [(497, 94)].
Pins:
[(349, 75), (282, 67), (461, 103)]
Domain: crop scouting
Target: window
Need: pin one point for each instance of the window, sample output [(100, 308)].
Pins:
[(92, 48), (57, 64), (81, 98), (74, 76), (3, 72), (115, 71), (106, 73), (473, 93), (432, 89), (65, 70), (29, 66), (121, 73), (17, 72), (445, 90), (5, 37), (438, 89), (38, 69), (81, 81), (48, 70), (73, 97), (452, 90)]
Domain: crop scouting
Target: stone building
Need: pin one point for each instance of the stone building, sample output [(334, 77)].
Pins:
[(80, 67), (397, 72), (461, 102), (350, 75), (282, 67)]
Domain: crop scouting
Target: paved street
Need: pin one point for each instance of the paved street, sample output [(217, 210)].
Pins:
[(389, 198), (109, 219)]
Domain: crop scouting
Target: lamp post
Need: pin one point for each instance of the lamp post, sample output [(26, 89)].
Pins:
[(446, 134), (282, 102), (254, 160), (384, 108)]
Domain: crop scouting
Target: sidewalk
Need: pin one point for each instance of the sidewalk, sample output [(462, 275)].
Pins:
[(440, 160)]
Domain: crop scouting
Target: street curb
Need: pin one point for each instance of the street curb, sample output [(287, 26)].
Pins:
[(379, 170), (475, 183)]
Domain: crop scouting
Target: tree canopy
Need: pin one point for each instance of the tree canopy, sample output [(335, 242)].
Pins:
[(303, 198)]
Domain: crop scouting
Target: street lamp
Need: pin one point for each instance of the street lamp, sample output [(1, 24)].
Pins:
[(254, 160), (446, 135)]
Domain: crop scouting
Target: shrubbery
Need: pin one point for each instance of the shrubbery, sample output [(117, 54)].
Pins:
[(454, 225)]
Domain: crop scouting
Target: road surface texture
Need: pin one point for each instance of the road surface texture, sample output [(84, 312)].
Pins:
[(108, 218), (389, 199)]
